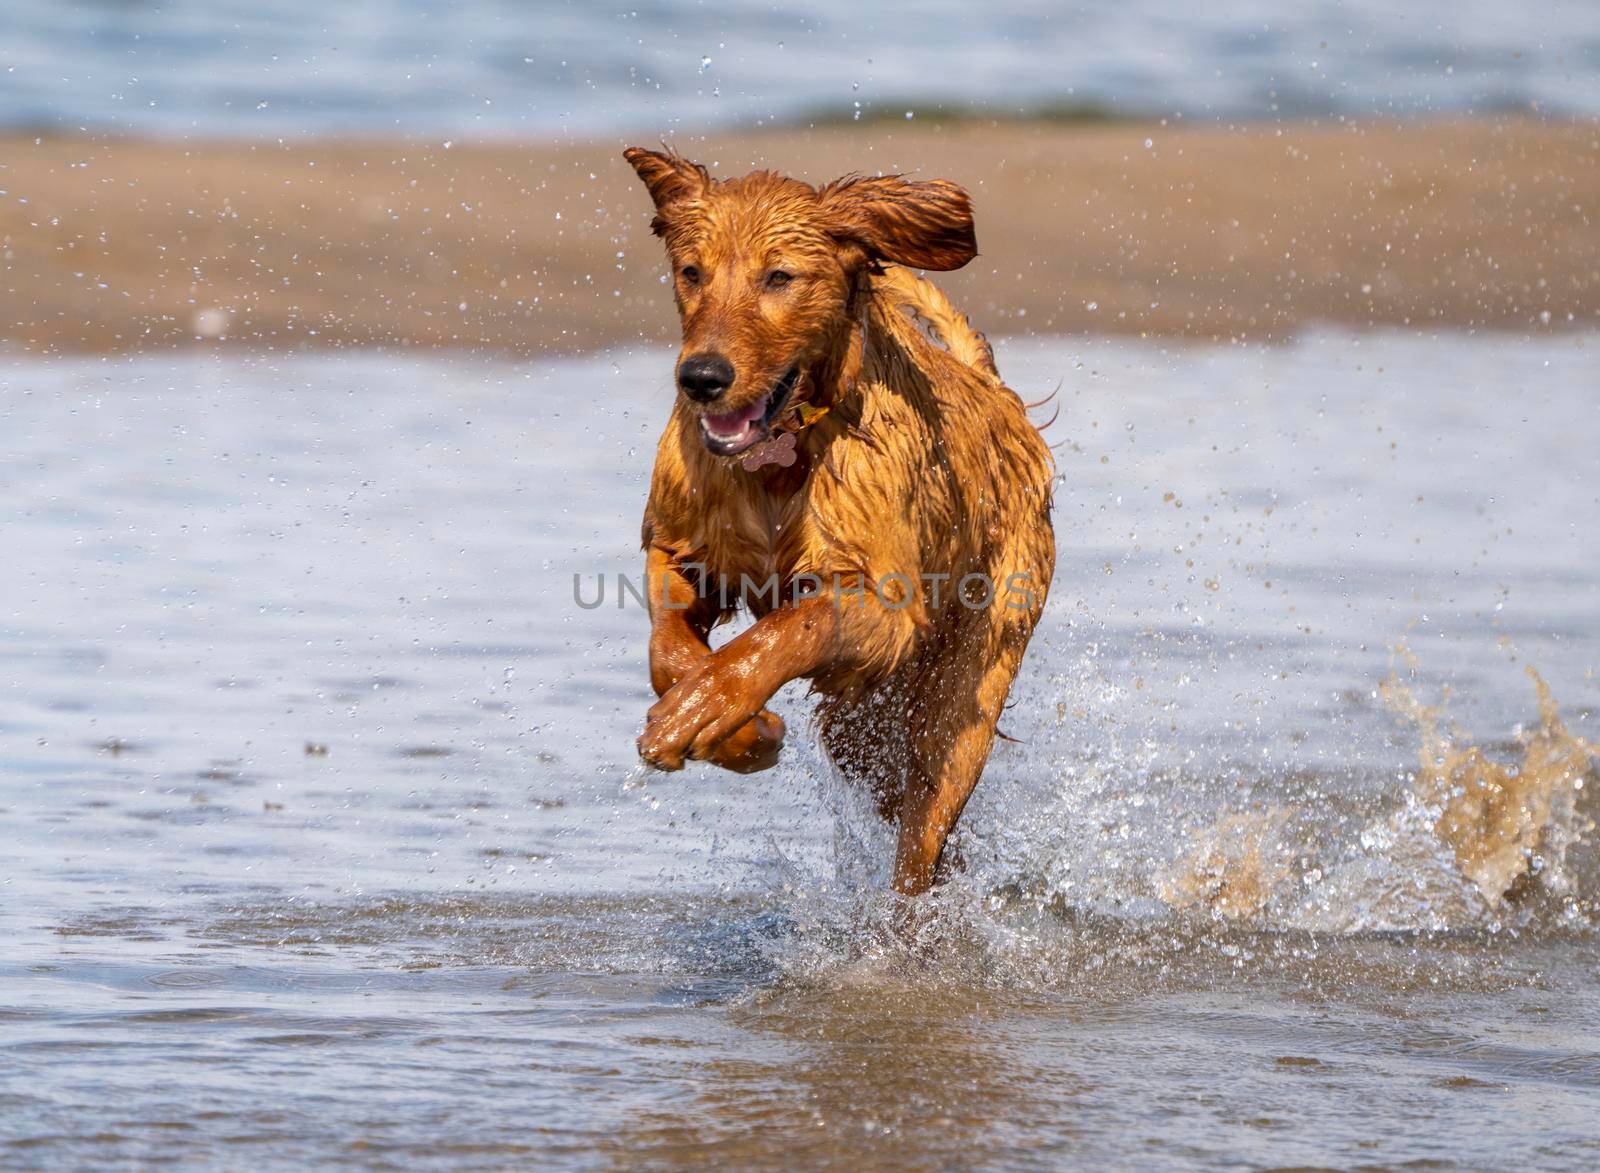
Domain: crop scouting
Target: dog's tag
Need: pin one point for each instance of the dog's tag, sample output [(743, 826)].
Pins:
[(779, 450)]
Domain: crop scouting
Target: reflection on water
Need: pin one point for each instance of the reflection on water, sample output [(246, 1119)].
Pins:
[(326, 842)]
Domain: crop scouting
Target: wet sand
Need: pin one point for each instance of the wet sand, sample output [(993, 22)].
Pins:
[(1119, 228)]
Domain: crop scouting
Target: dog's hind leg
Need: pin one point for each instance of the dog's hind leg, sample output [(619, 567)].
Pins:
[(963, 703)]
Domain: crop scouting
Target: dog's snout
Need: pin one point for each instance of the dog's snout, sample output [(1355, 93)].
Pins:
[(704, 377)]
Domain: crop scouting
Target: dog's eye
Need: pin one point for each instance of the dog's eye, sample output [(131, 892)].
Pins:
[(777, 279), (691, 275)]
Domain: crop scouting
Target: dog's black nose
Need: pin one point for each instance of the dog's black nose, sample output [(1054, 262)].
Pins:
[(704, 377)]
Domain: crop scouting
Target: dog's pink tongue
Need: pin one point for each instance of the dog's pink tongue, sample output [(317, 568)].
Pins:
[(735, 422)]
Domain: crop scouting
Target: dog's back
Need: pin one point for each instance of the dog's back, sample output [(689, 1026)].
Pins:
[(939, 475)]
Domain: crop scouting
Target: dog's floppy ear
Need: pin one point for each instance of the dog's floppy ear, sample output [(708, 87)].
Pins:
[(922, 225), (669, 176)]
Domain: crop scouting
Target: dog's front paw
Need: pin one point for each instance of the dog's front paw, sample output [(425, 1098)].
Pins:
[(699, 716), (659, 749)]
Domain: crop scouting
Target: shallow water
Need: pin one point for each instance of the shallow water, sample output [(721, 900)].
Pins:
[(326, 840), (501, 68)]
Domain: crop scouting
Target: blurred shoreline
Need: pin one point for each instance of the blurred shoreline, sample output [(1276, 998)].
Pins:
[(1202, 233)]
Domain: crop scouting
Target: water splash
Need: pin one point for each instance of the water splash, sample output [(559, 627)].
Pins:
[(1120, 861), (1508, 824), (1474, 834), (1234, 869)]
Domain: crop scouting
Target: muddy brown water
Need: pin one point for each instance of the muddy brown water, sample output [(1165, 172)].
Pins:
[(324, 840)]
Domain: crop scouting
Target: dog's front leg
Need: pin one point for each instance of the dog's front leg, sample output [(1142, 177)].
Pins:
[(680, 619), (700, 715)]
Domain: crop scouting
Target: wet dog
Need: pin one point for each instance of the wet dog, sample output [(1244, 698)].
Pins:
[(844, 462)]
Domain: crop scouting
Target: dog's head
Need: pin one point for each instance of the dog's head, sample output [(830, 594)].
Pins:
[(764, 270)]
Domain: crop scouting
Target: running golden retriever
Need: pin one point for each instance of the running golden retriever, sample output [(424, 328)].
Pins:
[(844, 462)]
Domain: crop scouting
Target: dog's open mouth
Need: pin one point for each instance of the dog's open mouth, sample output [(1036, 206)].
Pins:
[(732, 433)]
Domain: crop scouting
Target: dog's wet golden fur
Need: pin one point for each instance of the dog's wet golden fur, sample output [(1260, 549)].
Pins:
[(914, 467)]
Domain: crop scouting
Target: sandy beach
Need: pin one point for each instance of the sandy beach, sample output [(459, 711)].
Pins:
[(1119, 228)]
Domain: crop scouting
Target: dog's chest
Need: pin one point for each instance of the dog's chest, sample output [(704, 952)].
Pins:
[(760, 538)]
